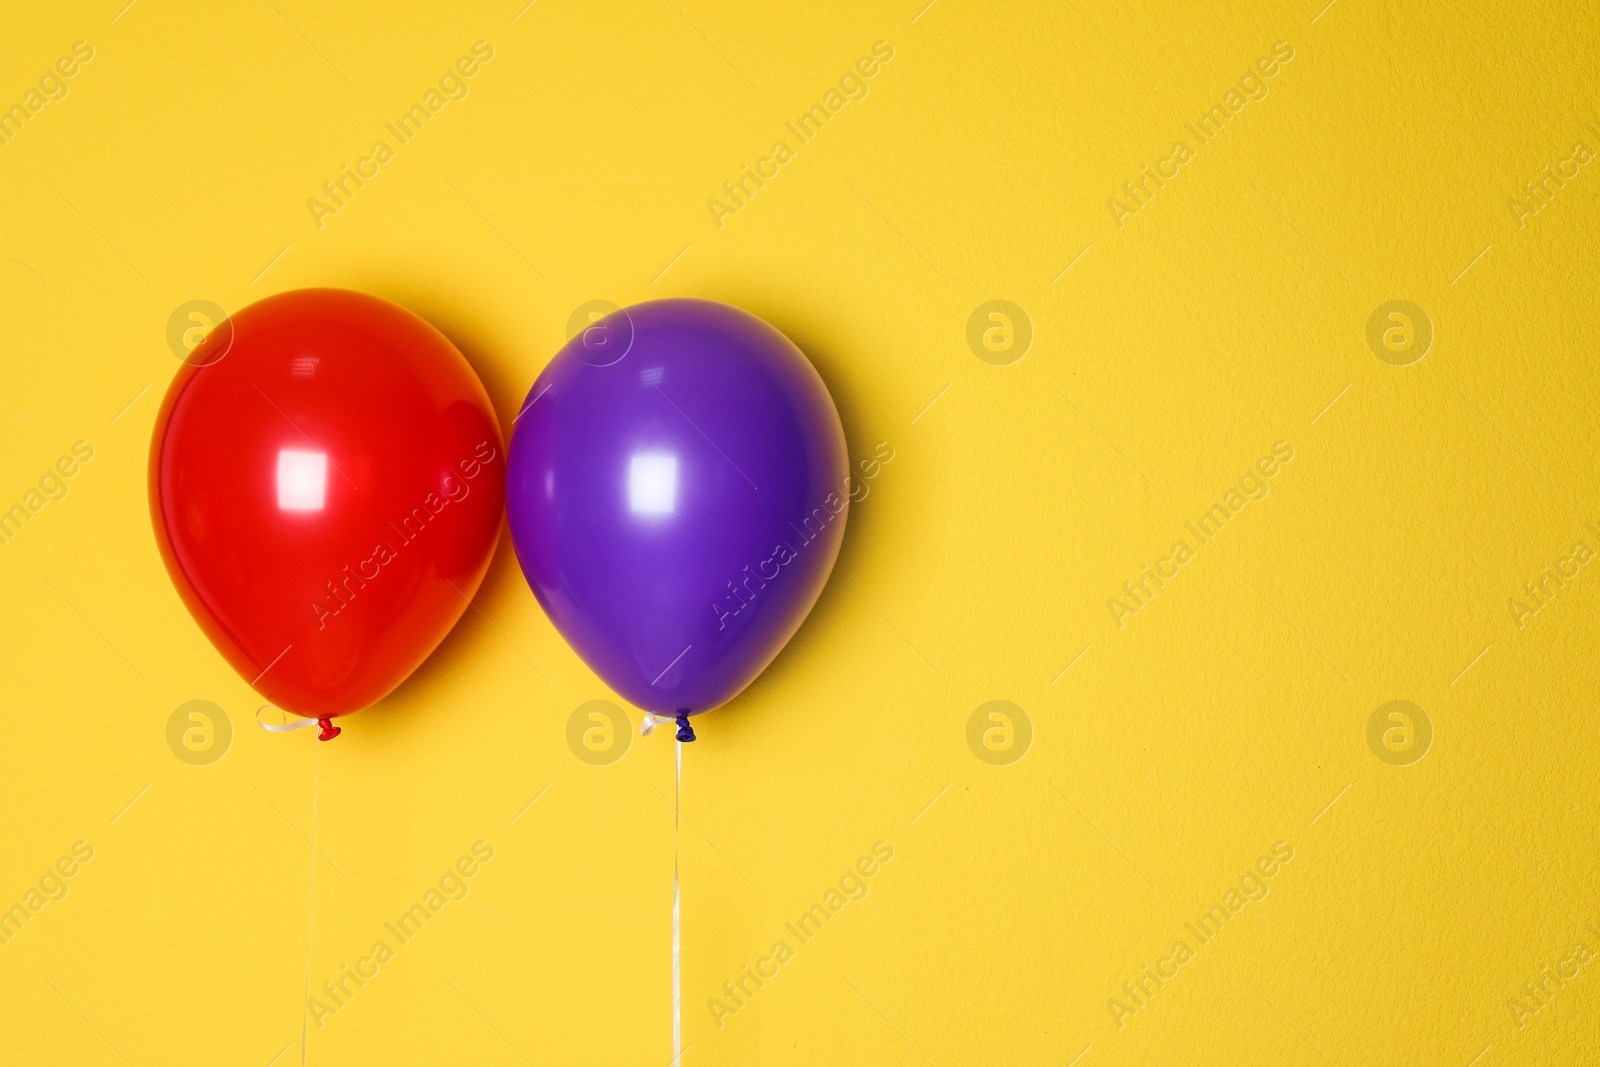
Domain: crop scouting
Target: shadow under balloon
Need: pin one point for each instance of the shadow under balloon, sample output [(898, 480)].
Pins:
[(436, 686)]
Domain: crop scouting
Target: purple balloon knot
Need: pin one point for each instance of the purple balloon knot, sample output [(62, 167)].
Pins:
[(685, 731)]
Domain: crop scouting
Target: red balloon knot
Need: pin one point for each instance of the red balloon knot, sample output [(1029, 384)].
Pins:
[(329, 731)]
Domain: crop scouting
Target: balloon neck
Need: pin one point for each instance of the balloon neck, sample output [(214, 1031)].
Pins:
[(329, 731), (685, 731)]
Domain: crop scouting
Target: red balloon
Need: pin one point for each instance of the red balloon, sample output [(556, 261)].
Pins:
[(327, 480)]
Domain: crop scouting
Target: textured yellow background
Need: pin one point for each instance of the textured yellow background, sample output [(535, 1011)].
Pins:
[(1168, 753)]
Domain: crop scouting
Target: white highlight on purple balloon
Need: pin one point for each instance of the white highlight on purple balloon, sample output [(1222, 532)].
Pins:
[(653, 484)]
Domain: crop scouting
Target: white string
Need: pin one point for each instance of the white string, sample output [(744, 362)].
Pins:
[(652, 720), (284, 726), (311, 892), (677, 992)]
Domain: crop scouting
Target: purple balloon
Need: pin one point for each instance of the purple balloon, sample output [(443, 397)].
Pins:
[(678, 487)]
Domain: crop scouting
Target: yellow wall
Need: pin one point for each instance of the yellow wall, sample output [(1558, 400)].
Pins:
[(1173, 346)]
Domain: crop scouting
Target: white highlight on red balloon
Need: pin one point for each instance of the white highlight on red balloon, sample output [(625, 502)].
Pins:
[(302, 480)]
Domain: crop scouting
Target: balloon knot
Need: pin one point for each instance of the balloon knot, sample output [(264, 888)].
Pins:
[(685, 731), (329, 731)]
